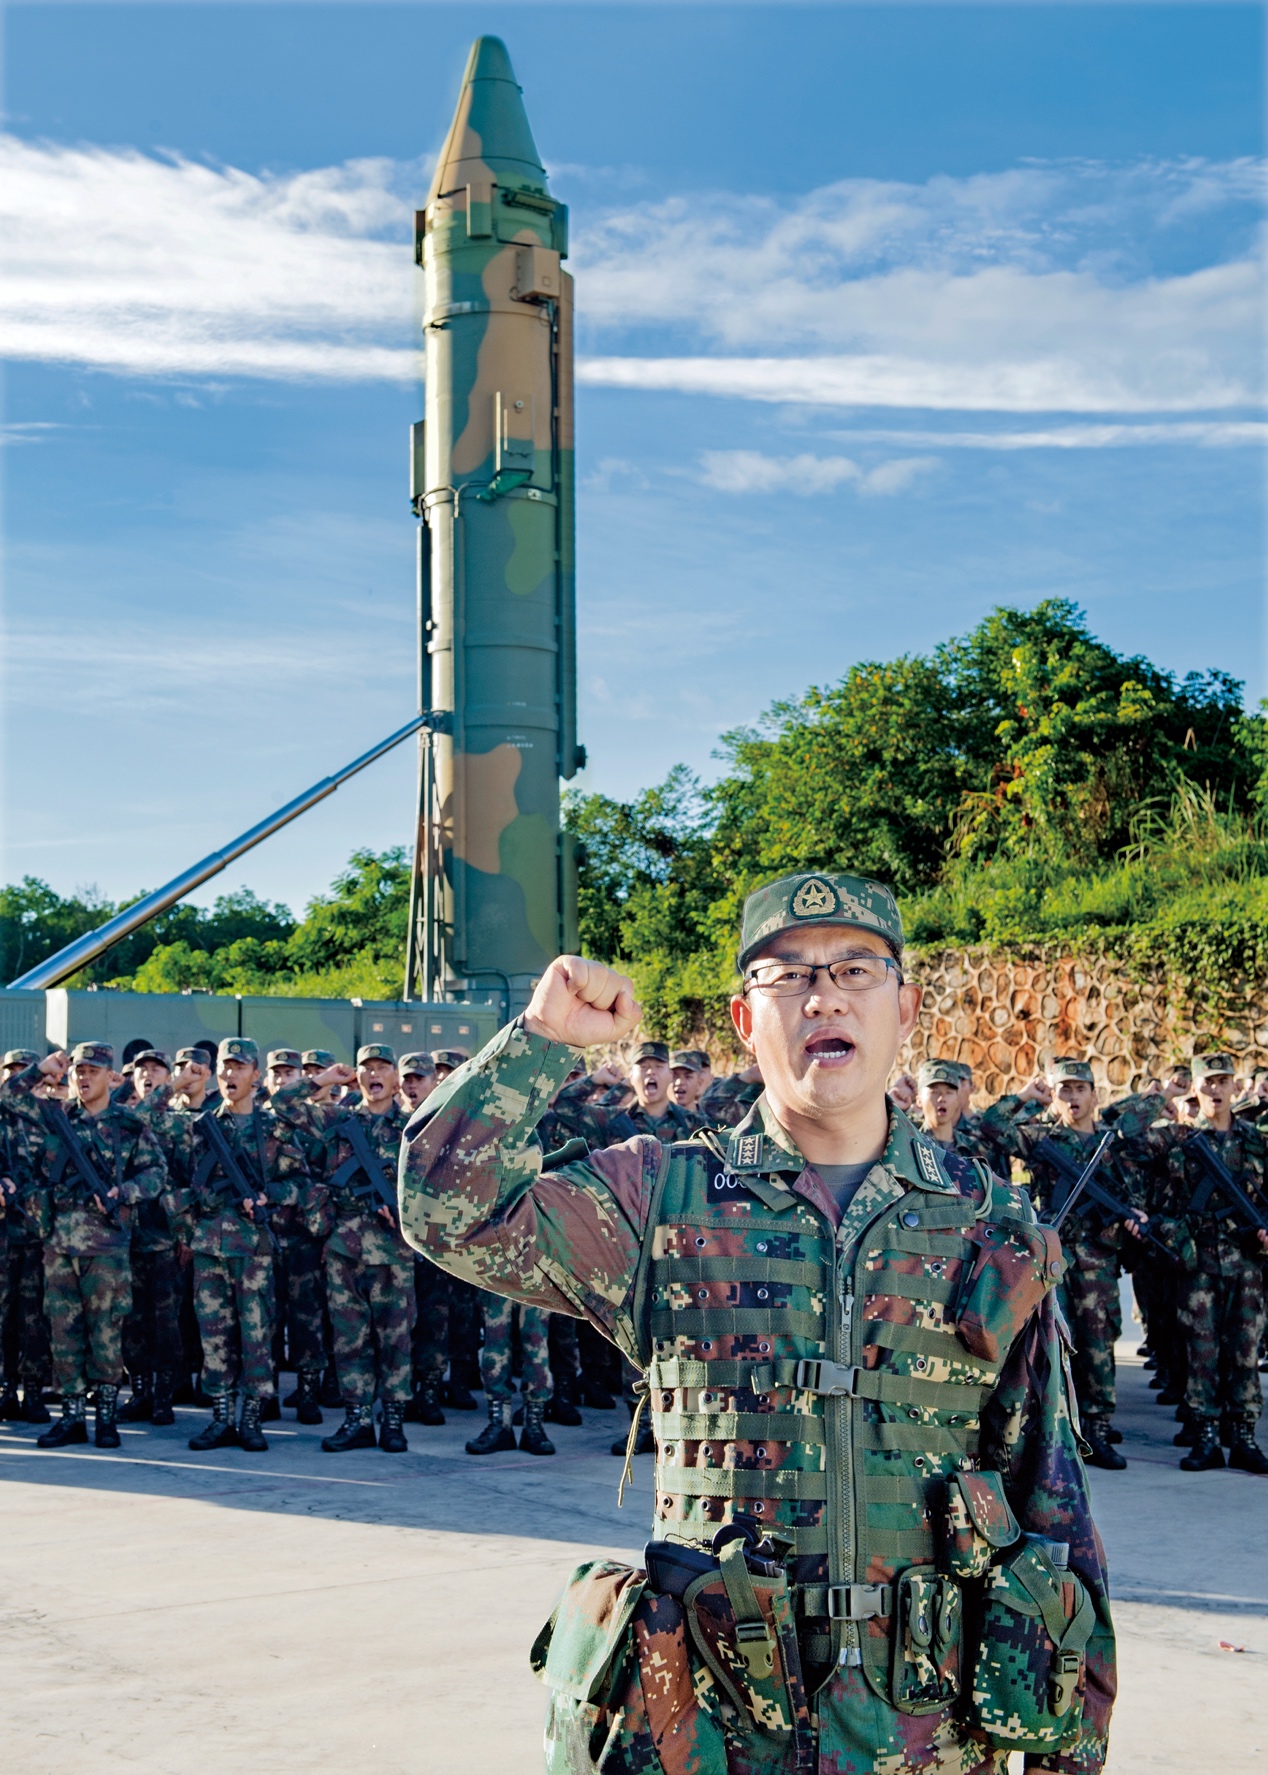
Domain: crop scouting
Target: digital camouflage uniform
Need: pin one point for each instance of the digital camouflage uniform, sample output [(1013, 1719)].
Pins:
[(87, 1269), (153, 1346), (1221, 1296), (27, 1354), (233, 1253), (727, 1101), (723, 1271), (369, 1268)]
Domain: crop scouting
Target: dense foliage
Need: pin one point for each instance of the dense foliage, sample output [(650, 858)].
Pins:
[(350, 942), (1024, 783)]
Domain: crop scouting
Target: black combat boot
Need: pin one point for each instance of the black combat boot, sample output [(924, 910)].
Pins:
[(307, 1408), (1246, 1454), (70, 1427), (457, 1395), (34, 1410), (10, 1404), (105, 1431), (561, 1410), (356, 1431), (1102, 1454), (140, 1408), (329, 1395), (645, 1443), (595, 1396), (1185, 1437), (533, 1439), (1172, 1393), (391, 1435), (163, 1413), (496, 1436), (427, 1402), (270, 1406), (250, 1435), (221, 1432), (291, 1400), (1207, 1453)]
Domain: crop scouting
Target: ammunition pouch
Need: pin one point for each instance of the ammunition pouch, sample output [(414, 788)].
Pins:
[(1036, 1622)]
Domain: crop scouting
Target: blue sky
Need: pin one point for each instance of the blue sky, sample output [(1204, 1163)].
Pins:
[(888, 314)]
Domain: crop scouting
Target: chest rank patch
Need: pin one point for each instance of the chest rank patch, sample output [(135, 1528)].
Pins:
[(927, 1162), (747, 1149), (813, 899)]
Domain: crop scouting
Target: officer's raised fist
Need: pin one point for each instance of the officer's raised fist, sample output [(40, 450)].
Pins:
[(581, 1002)]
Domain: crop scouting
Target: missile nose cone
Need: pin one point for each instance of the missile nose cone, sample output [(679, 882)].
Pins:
[(489, 135)]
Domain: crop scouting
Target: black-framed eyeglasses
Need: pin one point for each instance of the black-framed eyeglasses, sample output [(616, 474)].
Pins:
[(794, 979)]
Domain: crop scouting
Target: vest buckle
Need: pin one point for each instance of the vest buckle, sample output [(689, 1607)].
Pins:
[(859, 1602), (817, 1375)]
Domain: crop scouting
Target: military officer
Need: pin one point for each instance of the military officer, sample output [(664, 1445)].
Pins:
[(94, 1161), (369, 1268), (816, 1355)]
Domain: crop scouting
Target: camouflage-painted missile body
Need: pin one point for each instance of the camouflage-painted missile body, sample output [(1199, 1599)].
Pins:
[(497, 495)]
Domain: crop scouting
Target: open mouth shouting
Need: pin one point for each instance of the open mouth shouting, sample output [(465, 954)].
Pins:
[(829, 1048)]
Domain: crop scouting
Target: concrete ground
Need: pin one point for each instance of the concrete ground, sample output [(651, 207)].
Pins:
[(168, 1613)]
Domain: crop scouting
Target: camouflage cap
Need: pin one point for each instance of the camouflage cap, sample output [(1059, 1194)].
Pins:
[(376, 1051), (283, 1057), (796, 900), (238, 1047), (453, 1058), (198, 1056), (152, 1054), (650, 1051), (20, 1057), (939, 1072), (319, 1057), (421, 1065), (964, 1069), (687, 1060), (92, 1054), (1066, 1068), (1212, 1066)]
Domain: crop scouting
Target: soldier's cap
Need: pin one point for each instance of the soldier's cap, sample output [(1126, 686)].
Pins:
[(376, 1051), (650, 1051), (453, 1058), (319, 1057), (152, 1054), (20, 1057), (964, 1069), (238, 1047), (939, 1072), (199, 1056), (92, 1054), (796, 900), (1066, 1068), (1212, 1066), (418, 1065), (284, 1057), (687, 1060)]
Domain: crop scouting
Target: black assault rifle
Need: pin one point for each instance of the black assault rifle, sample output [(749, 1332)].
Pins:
[(234, 1186), (365, 1161), (1068, 1194), (1218, 1177), (55, 1117)]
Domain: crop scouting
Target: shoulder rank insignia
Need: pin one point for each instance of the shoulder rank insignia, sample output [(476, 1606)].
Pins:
[(927, 1161)]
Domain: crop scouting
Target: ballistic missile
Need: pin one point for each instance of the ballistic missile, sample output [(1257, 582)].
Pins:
[(493, 482)]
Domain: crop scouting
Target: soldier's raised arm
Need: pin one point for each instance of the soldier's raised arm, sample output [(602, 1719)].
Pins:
[(473, 1196)]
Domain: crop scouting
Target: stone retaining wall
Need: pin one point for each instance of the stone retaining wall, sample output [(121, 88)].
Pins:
[(1008, 1015)]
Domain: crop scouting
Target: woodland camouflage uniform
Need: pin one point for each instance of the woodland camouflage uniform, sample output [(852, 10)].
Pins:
[(654, 1245)]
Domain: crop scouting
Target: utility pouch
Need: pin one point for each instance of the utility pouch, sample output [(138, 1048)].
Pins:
[(1036, 1622), (928, 1614), (975, 1523), (739, 1616), (576, 1652), (1017, 1263)]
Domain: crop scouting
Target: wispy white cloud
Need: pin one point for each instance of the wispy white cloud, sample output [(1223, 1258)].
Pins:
[(1211, 434), (146, 266), (749, 471), (1044, 289)]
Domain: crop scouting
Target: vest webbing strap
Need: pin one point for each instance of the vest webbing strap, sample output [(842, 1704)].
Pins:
[(914, 1545), (697, 1322), (915, 1340), (883, 1488), (929, 1439), (918, 1244), (741, 1482), (738, 1269), (815, 1375), (939, 1288), (739, 1426)]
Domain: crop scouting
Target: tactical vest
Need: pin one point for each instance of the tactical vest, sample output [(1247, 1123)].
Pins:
[(828, 1383)]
